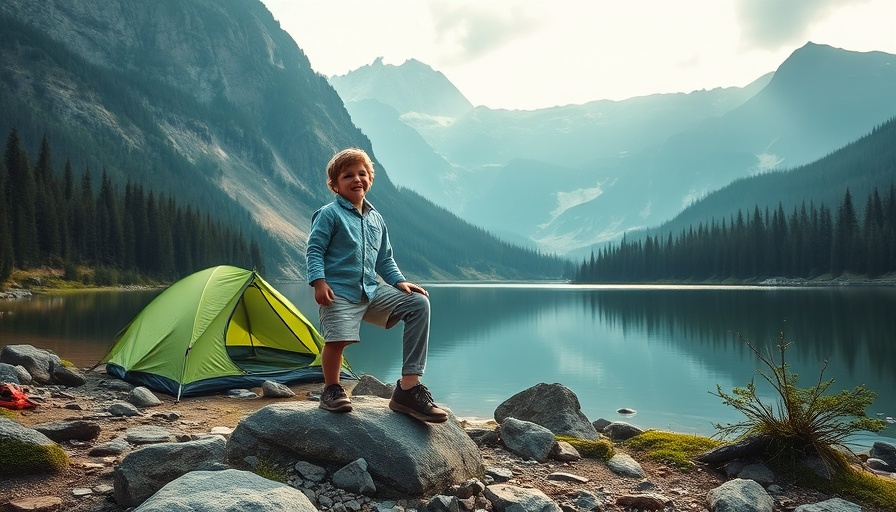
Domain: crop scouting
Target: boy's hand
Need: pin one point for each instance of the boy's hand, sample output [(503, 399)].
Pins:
[(323, 294), (409, 287)]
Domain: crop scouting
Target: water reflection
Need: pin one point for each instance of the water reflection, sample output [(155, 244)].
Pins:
[(79, 326), (659, 350)]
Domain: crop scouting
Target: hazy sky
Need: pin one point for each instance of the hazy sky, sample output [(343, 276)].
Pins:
[(526, 54)]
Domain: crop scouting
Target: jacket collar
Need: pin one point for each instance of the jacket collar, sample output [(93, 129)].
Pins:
[(343, 202)]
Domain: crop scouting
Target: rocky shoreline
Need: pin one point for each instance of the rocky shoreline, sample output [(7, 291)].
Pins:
[(209, 446)]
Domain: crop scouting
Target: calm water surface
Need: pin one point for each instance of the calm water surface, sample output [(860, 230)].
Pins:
[(658, 350)]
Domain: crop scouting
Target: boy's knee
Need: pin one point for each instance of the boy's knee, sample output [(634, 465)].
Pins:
[(419, 302), (413, 305)]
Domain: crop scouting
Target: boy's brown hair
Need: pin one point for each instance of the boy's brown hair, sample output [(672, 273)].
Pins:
[(344, 159)]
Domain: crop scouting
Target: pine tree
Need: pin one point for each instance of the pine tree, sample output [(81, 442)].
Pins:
[(110, 236), (20, 200), (873, 235), (846, 238), (87, 213), (46, 213), (7, 259)]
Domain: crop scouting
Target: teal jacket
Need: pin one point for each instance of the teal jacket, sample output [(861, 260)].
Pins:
[(349, 250)]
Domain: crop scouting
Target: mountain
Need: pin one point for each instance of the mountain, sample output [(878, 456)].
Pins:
[(624, 165), (413, 87), (213, 103), (861, 166)]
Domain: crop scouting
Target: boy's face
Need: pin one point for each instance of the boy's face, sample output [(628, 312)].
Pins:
[(353, 183)]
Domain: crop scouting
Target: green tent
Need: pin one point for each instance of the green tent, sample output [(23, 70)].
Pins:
[(220, 328)]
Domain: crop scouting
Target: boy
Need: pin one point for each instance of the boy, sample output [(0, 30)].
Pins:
[(348, 247)]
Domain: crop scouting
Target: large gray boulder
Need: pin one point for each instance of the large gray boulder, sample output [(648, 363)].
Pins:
[(403, 455), (752, 446), (9, 374), (60, 431), (353, 477), (37, 361), (623, 464), (831, 505), (229, 490), (510, 498), (143, 397), (370, 385), (24, 451), (271, 389), (66, 376), (739, 495), (885, 452), (622, 431), (527, 439), (553, 406), (145, 470)]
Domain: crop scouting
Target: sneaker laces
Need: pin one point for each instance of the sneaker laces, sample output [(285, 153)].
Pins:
[(422, 395), (333, 391)]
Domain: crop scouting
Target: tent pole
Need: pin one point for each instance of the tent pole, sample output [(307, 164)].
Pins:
[(183, 371)]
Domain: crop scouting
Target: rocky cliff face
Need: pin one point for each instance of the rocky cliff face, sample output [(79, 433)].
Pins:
[(208, 48), (219, 83)]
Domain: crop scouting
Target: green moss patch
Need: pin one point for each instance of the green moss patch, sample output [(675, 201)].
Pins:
[(595, 449), (17, 457), (671, 448), (866, 487), (847, 481), (270, 471)]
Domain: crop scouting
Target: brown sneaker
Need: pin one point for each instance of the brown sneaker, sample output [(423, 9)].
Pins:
[(416, 402), (334, 399)]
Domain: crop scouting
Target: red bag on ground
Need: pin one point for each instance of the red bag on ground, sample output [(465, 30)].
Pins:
[(12, 397)]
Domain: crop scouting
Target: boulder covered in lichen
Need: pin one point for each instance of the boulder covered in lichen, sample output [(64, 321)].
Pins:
[(24, 450)]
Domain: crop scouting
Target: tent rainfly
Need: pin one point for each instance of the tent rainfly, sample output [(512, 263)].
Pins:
[(221, 328)]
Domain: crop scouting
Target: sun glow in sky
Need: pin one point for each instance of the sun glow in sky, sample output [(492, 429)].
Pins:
[(527, 54)]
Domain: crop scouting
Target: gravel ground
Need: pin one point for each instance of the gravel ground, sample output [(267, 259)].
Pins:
[(199, 415)]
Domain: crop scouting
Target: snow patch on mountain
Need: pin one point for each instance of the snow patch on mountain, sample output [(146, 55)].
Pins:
[(645, 212), (567, 200), (766, 162), (693, 195), (584, 235), (423, 120)]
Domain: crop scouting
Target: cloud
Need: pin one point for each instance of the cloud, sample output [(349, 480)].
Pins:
[(467, 31), (774, 24)]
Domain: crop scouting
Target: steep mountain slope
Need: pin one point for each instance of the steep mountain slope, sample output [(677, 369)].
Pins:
[(820, 99), (214, 103), (860, 166)]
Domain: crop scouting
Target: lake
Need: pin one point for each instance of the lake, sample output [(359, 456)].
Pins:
[(660, 350)]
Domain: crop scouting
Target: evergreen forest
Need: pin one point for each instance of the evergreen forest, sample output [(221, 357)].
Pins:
[(100, 236), (808, 242)]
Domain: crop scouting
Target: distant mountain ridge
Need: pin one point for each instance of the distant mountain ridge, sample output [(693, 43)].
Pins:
[(412, 87), (619, 166), (860, 167), (214, 103)]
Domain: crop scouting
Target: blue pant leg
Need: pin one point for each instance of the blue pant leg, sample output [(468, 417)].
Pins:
[(388, 307)]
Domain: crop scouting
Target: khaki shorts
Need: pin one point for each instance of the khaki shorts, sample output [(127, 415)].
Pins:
[(341, 320)]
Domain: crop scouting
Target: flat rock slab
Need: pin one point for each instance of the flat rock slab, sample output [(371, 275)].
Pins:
[(403, 455)]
